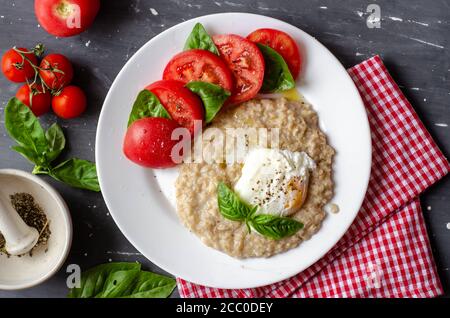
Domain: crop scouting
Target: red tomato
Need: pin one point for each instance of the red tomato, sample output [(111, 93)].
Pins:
[(66, 17), (199, 65), (40, 101), (283, 44), (183, 106), (246, 63), (70, 103), (56, 71), (13, 68), (148, 142)]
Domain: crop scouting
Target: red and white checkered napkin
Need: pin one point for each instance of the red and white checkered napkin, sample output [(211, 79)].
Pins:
[(386, 252)]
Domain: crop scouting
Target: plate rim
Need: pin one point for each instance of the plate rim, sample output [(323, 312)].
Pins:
[(367, 132)]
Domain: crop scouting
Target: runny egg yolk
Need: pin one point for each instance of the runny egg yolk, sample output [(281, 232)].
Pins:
[(297, 188), (275, 181)]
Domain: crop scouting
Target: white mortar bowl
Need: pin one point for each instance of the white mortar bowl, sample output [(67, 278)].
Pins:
[(25, 271)]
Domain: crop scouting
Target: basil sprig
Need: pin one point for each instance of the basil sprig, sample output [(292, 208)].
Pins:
[(200, 39), (230, 205), (275, 227), (42, 148), (233, 208), (125, 280), (147, 105), (75, 172), (55, 140), (277, 76), (213, 96)]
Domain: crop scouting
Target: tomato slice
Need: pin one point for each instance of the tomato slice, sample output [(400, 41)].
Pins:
[(283, 44), (182, 105), (246, 63), (199, 65)]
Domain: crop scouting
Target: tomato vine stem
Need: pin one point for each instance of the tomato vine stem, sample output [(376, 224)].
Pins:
[(38, 51)]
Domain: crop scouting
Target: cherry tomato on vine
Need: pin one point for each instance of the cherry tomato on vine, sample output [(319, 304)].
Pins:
[(17, 68), (70, 103), (35, 98), (56, 71)]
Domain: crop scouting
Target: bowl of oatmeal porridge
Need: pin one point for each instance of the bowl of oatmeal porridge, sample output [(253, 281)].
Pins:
[(249, 212)]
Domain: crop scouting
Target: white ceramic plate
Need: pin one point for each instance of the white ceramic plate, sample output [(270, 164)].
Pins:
[(142, 201)]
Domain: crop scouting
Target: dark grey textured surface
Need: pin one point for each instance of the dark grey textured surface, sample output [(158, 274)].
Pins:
[(413, 41)]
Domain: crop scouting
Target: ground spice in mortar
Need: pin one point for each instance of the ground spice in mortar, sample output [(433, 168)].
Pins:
[(33, 215)]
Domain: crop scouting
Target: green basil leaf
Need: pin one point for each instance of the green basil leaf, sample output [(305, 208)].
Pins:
[(275, 227), (28, 154), (77, 173), (147, 105), (230, 205), (213, 96), (93, 280), (25, 129), (277, 76), (122, 280), (55, 141), (150, 285), (117, 283), (200, 39)]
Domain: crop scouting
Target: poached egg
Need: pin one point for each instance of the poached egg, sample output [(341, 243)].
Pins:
[(274, 180)]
